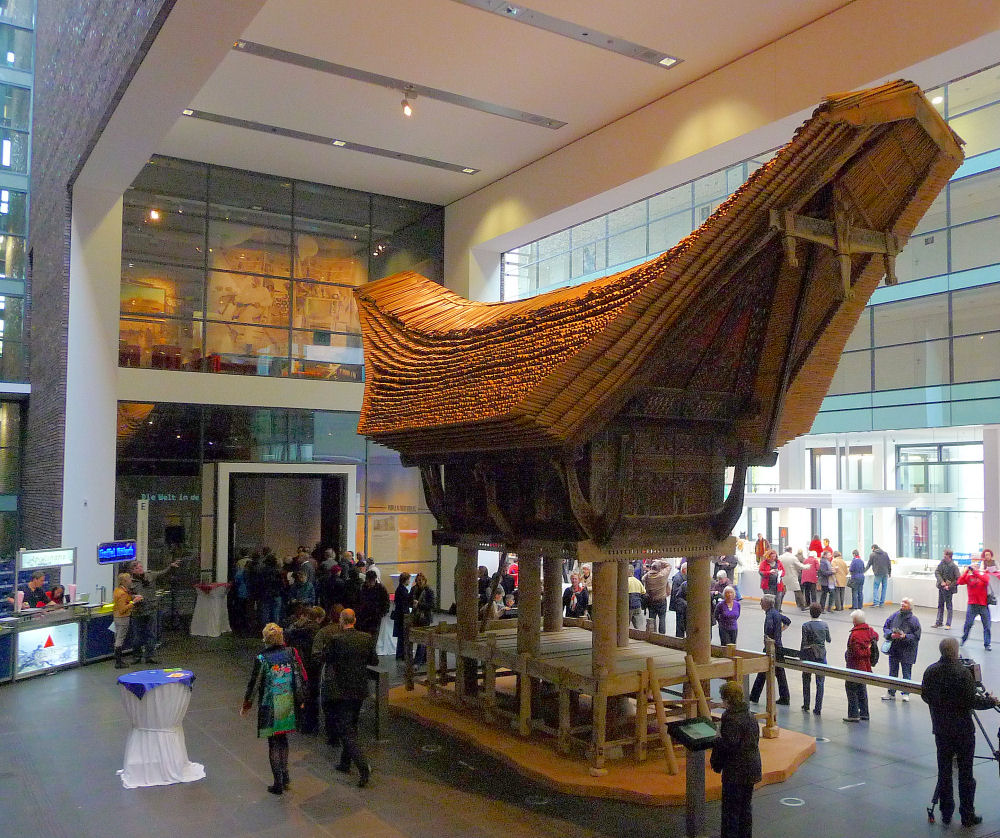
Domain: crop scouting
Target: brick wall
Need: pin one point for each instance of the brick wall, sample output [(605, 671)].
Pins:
[(86, 52)]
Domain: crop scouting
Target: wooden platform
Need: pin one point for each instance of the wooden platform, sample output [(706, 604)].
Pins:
[(647, 782)]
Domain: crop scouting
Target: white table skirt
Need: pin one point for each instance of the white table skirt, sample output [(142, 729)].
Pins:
[(386, 643), (211, 613), (155, 753)]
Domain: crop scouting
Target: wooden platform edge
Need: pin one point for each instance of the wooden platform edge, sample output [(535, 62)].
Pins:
[(417, 706)]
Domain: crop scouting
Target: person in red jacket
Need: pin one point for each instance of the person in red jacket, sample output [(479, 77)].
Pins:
[(977, 582), (858, 656), (771, 571), (816, 545), (810, 576)]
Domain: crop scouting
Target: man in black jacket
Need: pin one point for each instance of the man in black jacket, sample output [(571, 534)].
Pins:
[(950, 690), (946, 575), (146, 609), (346, 687), (881, 566)]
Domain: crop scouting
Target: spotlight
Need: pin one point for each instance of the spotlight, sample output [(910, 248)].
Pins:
[(154, 215), (408, 94)]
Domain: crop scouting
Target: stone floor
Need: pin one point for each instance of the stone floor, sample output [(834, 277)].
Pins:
[(62, 739)]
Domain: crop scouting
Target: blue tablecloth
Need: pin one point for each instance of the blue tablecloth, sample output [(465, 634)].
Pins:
[(140, 682)]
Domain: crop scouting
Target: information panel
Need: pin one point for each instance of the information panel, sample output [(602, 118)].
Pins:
[(112, 552), (47, 647), (31, 559)]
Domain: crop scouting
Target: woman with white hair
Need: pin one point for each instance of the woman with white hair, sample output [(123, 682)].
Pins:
[(727, 615)]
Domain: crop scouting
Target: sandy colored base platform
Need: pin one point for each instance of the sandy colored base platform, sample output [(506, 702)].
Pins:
[(537, 758)]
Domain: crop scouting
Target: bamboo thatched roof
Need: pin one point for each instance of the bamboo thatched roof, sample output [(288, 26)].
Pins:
[(445, 374)]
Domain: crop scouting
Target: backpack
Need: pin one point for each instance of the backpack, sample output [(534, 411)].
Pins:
[(873, 652)]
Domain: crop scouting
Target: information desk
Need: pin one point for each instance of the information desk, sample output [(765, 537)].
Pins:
[(156, 753), (42, 640)]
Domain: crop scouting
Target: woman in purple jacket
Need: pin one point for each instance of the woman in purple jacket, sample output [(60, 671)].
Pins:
[(727, 613)]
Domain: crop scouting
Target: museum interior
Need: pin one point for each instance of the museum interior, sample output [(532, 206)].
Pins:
[(205, 210)]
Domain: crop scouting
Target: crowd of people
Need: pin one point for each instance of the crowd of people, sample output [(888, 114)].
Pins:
[(322, 618)]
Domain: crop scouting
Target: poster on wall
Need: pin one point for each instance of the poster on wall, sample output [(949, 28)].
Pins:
[(47, 647), (384, 543)]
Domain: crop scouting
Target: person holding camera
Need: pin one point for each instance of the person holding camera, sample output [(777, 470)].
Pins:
[(950, 691)]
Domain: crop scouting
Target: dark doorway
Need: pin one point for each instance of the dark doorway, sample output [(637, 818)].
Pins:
[(282, 511)]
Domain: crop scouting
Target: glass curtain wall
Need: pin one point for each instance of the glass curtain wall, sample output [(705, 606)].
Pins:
[(621, 239), (951, 478), (926, 353), (163, 448), (235, 272)]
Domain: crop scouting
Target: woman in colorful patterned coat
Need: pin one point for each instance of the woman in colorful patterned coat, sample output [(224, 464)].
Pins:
[(279, 678)]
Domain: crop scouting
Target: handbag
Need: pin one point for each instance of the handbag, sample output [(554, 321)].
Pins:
[(886, 645), (991, 599)]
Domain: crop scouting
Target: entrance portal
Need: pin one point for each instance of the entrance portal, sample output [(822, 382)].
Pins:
[(282, 511)]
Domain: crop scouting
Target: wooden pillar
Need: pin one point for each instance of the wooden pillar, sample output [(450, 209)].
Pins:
[(605, 611), (624, 570), (552, 610), (699, 608), (529, 601), (467, 614)]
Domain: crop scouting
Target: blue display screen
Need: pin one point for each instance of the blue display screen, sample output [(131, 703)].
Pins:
[(111, 552)]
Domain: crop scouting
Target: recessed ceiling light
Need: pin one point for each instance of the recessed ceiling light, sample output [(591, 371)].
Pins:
[(937, 100), (468, 171), (576, 31), (187, 112), (339, 142)]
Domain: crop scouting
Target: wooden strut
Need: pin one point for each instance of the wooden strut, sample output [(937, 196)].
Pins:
[(661, 716), (598, 524), (840, 236)]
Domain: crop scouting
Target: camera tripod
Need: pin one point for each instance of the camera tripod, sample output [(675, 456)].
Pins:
[(994, 756)]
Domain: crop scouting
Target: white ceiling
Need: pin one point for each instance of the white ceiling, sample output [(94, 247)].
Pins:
[(450, 46)]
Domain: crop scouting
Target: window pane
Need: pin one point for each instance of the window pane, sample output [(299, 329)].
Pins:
[(627, 247), (327, 254), (159, 343), (977, 358), (253, 248), (248, 299), (12, 257), (269, 197), (854, 374), (914, 365), (552, 245), (979, 129), (974, 245), (15, 47), (166, 177), (910, 320), (671, 201), (162, 231), (16, 105), (626, 219), (553, 272), (13, 212), (245, 434), (148, 288), (246, 349), (664, 233), (975, 310), (925, 255), (589, 231), (588, 258), (976, 197), (18, 11), (710, 188), (968, 452), (329, 308), (327, 355), (936, 216), (14, 146), (861, 337), (973, 91), (418, 247)]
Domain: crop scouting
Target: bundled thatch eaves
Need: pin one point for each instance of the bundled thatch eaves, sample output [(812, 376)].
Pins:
[(725, 310)]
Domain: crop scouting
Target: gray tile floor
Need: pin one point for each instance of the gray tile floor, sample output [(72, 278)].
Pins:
[(62, 738)]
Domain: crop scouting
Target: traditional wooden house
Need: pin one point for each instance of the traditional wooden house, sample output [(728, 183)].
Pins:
[(607, 414)]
